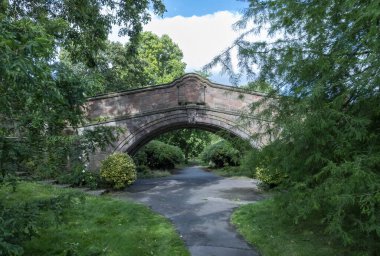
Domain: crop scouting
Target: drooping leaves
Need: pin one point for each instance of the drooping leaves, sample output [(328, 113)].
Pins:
[(321, 60)]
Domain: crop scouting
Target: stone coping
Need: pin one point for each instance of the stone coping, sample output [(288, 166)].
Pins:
[(154, 112), (172, 84)]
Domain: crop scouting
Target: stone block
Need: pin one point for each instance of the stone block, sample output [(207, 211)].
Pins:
[(190, 101)]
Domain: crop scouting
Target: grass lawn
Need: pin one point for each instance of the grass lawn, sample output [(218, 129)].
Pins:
[(260, 225), (230, 171), (100, 226)]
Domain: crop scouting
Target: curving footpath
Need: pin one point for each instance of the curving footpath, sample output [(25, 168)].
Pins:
[(199, 204)]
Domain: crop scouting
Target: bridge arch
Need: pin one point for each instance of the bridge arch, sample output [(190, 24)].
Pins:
[(132, 142), (188, 102)]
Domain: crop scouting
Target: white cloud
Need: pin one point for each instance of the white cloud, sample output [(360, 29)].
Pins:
[(200, 38)]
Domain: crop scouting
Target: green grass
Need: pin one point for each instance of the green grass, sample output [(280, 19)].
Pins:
[(263, 227), (100, 226), (230, 171)]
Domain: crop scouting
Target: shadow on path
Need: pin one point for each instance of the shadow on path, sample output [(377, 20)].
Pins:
[(199, 204)]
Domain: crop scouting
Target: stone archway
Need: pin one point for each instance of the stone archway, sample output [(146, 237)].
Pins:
[(188, 102)]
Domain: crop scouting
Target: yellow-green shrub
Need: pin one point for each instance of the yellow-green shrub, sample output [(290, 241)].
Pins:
[(271, 178), (118, 170)]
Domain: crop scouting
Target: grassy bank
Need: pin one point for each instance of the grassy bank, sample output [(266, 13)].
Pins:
[(99, 226), (230, 171), (263, 227)]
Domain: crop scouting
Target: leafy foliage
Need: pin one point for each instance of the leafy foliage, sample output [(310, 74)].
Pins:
[(20, 222), (271, 179), (322, 62), (149, 60), (159, 59), (80, 177), (221, 154), (256, 163), (118, 170), (158, 155), (40, 97), (232, 171), (82, 27), (191, 141), (34, 105)]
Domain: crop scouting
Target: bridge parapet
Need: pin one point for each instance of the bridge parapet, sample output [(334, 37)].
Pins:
[(188, 102), (190, 89)]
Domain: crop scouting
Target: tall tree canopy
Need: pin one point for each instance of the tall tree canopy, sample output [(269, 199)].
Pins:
[(159, 58), (148, 60), (323, 63), (39, 96)]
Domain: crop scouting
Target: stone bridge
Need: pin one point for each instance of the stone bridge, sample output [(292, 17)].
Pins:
[(188, 102)]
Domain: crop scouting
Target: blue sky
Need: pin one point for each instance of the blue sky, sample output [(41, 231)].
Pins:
[(201, 28), (188, 8)]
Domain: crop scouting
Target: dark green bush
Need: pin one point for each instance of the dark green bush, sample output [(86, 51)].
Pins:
[(142, 169), (221, 154), (118, 170), (257, 163), (140, 159), (249, 162), (18, 224), (159, 155), (80, 177)]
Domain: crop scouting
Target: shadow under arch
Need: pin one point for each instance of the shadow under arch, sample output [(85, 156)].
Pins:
[(150, 130)]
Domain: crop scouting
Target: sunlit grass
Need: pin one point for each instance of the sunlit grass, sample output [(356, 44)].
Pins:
[(100, 226), (262, 226)]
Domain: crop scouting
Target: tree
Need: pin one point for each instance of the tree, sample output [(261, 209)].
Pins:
[(322, 62), (149, 60), (191, 141), (40, 96), (160, 59)]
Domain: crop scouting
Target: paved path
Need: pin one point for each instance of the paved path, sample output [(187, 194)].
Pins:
[(199, 204)]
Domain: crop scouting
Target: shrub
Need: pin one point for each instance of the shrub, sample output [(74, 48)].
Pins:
[(270, 178), (257, 163), (140, 159), (142, 169), (118, 170), (249, 163), (221, 154), (80, 177), (159, 155)]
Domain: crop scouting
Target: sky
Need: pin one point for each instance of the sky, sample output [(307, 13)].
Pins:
[(188, 8), (201, 28)]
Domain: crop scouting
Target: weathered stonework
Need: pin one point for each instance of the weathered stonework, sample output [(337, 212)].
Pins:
[(188, 102)]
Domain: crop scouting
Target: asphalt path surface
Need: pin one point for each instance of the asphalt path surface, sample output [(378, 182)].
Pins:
[(200, 205)]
